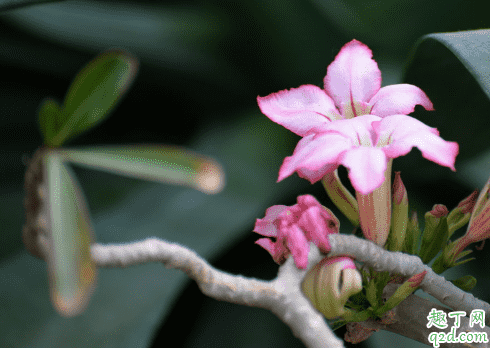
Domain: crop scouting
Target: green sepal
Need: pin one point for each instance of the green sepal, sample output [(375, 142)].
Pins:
[(341, 197), (456, 219), (446, 261), (465, 283), (412, 235), (371, 293)]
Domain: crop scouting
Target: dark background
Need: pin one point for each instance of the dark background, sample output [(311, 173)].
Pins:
[(202, 65)]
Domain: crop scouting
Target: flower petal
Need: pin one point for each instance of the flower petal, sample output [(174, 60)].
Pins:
[(266, 226), (298, 246), (399, 99), (278, 252), (353, 75), (358, 129), (366, 168), (299, 109), (401, 133), (316, 228), (314, 156)]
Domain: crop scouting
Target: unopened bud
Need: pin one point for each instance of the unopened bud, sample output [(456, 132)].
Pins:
[(436, 233), (460, 215), (412, 235), (439, 211), (330, 283), (465, 283), (399, 218), (402, 292)]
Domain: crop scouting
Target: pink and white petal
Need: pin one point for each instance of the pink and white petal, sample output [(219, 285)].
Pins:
[(353, 75), (398, 134), (298, 246), (433, 148), (366, 168), (299, 109), (306, 201), (315, 227), (347, 262), (398, 127), (399, 99), (265, 226), (358, 129), (268, 245), (315, 155)]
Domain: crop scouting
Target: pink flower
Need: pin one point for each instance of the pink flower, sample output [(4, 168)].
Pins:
[(352, 87), (294, 228), (364, 145)]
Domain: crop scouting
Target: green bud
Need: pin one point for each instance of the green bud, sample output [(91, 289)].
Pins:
[(460, 215), (406, 289), (436, 233), (465, 283), (412, 235)]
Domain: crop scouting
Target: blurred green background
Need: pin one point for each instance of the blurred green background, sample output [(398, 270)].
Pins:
[(202, 65)]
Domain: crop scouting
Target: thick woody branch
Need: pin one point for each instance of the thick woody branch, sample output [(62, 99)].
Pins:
[(410, 320), (283, 295), (407, 265)]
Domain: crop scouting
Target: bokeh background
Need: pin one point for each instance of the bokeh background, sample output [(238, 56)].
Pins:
[(202, 65)]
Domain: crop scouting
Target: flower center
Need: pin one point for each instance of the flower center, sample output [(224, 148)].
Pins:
[(354, 109)]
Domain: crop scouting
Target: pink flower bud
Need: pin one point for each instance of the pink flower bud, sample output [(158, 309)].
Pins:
[(467, 204), (399, 190), (294, 228), (439, 211), (417, 279)]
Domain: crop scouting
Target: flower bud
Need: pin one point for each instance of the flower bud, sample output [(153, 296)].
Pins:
[(399, 218), (465, 283), (436, 233), (479, 225), (294, 228), (330, 283), (406, 289), (460, 215), (412, 235), (478, 229)]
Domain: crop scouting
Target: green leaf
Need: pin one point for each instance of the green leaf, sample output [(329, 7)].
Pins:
[(452, 69), (95, 91), (50, 118), (160, 163), (72, 272)]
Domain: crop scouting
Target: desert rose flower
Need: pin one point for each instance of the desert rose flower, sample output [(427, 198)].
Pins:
[(352, 87), (365, 145), (293, 228)]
